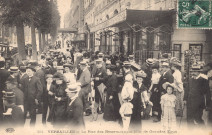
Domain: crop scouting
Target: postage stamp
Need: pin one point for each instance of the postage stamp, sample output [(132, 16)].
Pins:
[(194, 14)]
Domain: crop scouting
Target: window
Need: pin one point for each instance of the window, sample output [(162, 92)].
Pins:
[(177, 51), (177, 47), (197, 51), (115, 12), (107, 17)]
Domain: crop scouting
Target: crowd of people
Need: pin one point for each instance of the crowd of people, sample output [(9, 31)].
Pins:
[(66, 87)]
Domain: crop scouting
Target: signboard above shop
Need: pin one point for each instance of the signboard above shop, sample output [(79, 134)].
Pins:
[(133, 17), (112, 21)]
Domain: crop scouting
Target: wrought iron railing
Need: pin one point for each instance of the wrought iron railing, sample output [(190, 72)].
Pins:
[(142, 55)]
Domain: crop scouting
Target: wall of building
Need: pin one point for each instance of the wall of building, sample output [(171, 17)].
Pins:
[(103, 10)]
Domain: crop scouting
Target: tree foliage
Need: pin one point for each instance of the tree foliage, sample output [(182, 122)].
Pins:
[(43, 14)]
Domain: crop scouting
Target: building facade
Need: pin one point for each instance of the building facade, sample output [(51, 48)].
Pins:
[(74, 19), (146, 29)]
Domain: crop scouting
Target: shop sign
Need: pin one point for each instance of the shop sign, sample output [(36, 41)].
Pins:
[(114, 20)]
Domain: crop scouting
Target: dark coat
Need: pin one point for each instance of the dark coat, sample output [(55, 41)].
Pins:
[(41, 74), (85, 80), (167, 77), (32, 89), (19, 96), (101, 73), (4, 74), (20, 80), (59, 107), (137, 106), (45, 96), (148, 70), (111, 110), (74, 114), (198, 97)]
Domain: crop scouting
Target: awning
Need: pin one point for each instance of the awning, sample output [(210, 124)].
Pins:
[(133, 16), (67, 30)]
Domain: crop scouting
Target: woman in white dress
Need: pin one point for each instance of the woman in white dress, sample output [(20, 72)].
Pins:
[(179, 91)]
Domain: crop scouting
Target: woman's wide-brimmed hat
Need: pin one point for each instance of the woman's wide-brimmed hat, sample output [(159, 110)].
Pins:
[(141, 74), (167, 84)]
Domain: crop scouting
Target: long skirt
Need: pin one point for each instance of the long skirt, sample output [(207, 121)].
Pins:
[(179, 103), (155, 99), (111, 109)]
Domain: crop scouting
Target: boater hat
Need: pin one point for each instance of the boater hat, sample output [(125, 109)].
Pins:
[(49, 76), (165, 64), (111, 67), (2, 59), (60, 68), (83, 62), (13, 69), (149, 61), (67, 65), (126, 64), (131, 56), (73, 88)]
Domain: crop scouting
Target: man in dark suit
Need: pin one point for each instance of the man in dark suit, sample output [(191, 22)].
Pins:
[(4, 74), (198, 97), (99, 76), (165, 77), (85, 80), (22, 74), (147, 68), (74, 111), (33, 90), (41, 75), (15, 103), (47, 98)]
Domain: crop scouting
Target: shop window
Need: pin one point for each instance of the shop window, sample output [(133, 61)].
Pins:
[(177, 51), (197, 51)]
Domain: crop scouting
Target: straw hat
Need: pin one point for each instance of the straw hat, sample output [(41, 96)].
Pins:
[(166, 84)]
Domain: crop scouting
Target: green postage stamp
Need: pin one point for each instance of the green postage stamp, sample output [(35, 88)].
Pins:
[(194, 14)]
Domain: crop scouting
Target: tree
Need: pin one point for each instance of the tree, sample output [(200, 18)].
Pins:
[(15, 13), (55, 22)]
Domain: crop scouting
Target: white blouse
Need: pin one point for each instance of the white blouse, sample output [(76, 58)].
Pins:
[(178, 80), (155, 78)]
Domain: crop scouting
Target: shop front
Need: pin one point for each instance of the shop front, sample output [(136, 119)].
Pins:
[(151, 33), (146, 34), (79, 42)]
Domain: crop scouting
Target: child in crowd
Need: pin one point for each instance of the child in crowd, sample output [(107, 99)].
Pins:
[(126, 111), (168, 102), (127, 95)]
